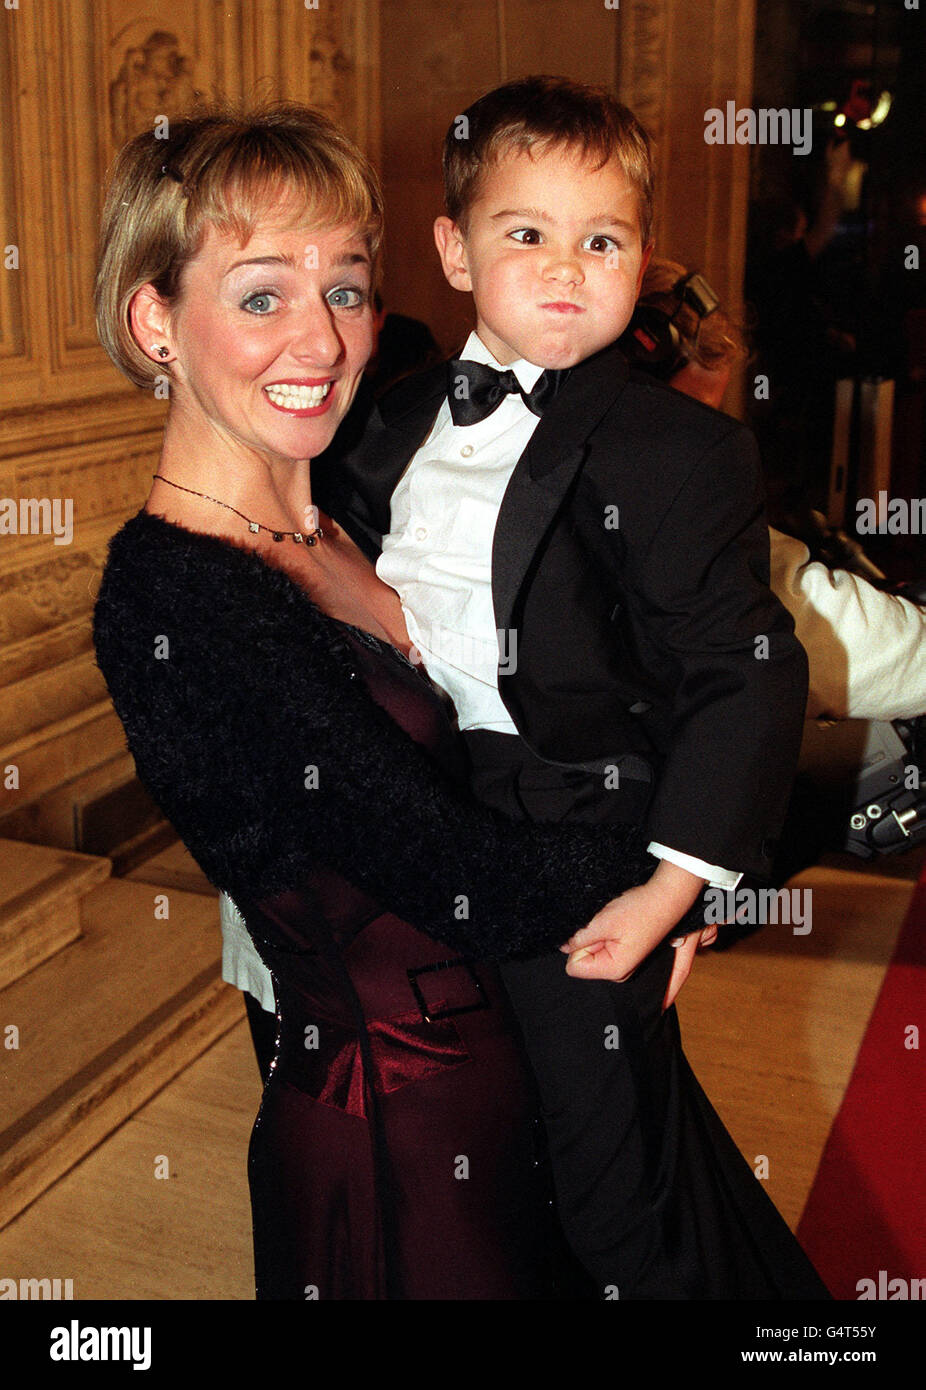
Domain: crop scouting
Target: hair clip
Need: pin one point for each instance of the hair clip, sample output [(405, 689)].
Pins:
[(171, 173)]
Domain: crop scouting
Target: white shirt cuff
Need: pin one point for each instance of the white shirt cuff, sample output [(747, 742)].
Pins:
[(715, 876)]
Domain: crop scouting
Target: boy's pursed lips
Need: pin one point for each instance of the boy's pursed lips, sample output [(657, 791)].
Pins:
[(563, 306)]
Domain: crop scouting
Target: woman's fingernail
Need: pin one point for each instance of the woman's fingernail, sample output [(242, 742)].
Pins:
[(585, 951)]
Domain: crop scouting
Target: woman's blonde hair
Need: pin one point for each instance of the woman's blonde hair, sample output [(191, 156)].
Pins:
[(224, 169), (715, 341)]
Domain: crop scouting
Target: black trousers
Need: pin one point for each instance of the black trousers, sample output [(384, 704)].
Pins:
[(587, 1041), (652, 1194)]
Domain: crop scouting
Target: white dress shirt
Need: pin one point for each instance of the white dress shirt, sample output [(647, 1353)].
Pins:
[(438, 555), (438, 558)]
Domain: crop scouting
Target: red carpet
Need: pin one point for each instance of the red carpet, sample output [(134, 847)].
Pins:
[(866, 1215)]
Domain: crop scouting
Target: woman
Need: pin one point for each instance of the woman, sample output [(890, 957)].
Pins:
[(262, 675)]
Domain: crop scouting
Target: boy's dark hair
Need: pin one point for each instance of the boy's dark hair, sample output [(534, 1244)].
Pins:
[(545, 111)]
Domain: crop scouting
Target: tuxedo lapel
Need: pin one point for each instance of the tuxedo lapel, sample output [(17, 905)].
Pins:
[(546, 469), (414, 400), (394, 433), (586, 396)]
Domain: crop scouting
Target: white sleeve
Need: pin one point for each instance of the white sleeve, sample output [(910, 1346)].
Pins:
[(712, 874), (867, 649)]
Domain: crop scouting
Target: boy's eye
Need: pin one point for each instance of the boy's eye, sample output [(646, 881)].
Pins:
[(601, 243), (346, 297), (260, 302), (526, 236)]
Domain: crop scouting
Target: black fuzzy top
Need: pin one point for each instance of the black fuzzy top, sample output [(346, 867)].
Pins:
[(254, 685)]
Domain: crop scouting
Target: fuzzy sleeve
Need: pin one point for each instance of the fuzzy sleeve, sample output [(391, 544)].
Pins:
[(250, 729)]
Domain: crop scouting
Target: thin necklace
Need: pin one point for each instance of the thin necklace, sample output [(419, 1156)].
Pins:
[(300, 537)]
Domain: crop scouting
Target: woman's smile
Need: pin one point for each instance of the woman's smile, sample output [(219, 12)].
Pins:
[(301, 397)]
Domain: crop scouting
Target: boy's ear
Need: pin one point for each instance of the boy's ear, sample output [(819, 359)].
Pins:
[(451, 247), (150, 320)]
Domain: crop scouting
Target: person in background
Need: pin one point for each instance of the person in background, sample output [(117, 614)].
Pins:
[(401, 346), (866, 647), (805, 333)]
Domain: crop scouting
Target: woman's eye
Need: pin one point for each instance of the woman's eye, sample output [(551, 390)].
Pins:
[(261, 302), (526, 236), (601, 243), (345, 297)]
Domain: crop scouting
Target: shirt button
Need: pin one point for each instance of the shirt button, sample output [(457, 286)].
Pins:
[(466, 450), (421, 533)]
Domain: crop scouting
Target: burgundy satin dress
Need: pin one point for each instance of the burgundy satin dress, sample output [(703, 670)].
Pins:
[(396, 1153)]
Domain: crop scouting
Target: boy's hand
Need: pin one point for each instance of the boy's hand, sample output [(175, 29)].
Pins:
[(622, 934), (685, 952)]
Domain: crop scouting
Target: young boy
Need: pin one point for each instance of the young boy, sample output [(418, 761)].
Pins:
[(583, 562)]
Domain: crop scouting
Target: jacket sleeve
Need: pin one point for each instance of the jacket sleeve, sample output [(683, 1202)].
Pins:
[(252, 731), (702, 596)]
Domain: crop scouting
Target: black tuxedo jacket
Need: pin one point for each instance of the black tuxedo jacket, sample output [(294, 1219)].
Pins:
[(631, 555)]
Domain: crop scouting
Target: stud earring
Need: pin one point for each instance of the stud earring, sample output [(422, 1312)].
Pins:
[(161, 351)]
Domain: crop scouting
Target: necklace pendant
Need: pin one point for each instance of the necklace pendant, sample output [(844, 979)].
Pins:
[(297, 537), (277, 535), (254, 526)]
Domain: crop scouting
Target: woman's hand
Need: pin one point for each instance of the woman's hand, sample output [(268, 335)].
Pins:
[(623, 933)]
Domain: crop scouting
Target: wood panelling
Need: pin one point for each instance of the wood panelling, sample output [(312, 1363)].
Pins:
[(675, 63), (21, 316)]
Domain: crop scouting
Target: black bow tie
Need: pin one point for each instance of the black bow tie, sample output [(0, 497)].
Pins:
[(474, 390)]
